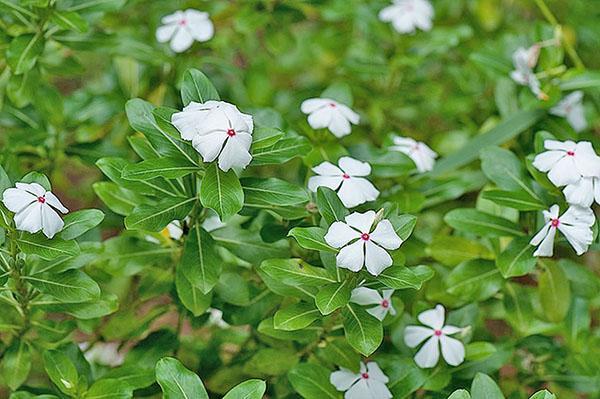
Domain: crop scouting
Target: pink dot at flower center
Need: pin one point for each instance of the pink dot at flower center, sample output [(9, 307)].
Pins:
[(41, 200), (332, 105), (437, 333), (365, 237), (183, 22), (555, 222), (365, 375), (230, 132), (385, 304), (346, 176), (571, 153)]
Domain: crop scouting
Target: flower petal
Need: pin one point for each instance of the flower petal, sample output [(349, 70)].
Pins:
[(429, 354), (449, 330), (376, 258), (352, 257), (339, 125), (327, 169), (209, 145), (349, 114), (539, 237), (546, 160), (16, 199), (375, 373), (414, 335), (580, 236), (366, 296), (343, 379), (564, 172), (165, 33), (433, 318), (378, 389), (356, 191), (51, 221), (52, 200), (360, 390), (340, 234), (182, 40), (333, 182), (546, 247), (33, 188), (578, 215), (354, 167), (379, 312), (580, 193), (313, 104), (235, 152), (565, 146), (385, 235), (321, 118), (586, 160), (453, 350), (361, 221), (30, 218)]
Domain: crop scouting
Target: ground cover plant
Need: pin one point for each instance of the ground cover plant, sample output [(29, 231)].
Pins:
[(299, 199)]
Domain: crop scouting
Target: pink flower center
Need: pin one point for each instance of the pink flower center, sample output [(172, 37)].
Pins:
[(230, 132), (365, 236), (183, 22), (555, 222), (41, 200), (332, 105), (437, 333), (571, 153), (365, 376), (346, 176), (385, 304)]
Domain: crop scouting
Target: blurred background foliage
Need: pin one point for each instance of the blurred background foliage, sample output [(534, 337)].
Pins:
[(442, 87)]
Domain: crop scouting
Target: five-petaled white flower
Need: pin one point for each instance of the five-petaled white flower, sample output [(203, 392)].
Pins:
[(524, 61), (217, 129), (369, 383), (423, 156), (183, 27), (566, 162), (360, 246), (367, 296), (330, 114), (408, 15), (571, 108), (354, 189), (436, 334), (34, 208), (575, 224)]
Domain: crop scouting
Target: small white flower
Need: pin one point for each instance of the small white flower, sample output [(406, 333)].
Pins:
[(175, 230), (423, 156), (103, 353), (566, 162), (436, 335), (215, 318), (212, 222), (327, 113), (183, 27), (217, 129), (584, 192), (524, 61), (370, 383), (354, 189), (361, 246), (408, 15), (571, 107), (575, 224), (34, 208), (367, 296)]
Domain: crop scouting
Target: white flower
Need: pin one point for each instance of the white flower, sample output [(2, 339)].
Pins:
[(361, 246), (183, 27), (212, 222), (408, 15), (571, 108), (367, 296), (566, 162), (584, 192), (34, 208), (103, 353), (353, 188), (423, 156), (330, 114), (217, 129), (215, 318), (175, 230), (524, 61), (370, 383), (575, 224), (436, 335)]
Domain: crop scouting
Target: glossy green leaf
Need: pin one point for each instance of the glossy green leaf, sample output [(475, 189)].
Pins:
[(45, 248), (80, 222), (333, 296), (481, 223), (24, 51), (251, 389), (72, 286), (16, 364), (484, 387), (169, 168), (554, 292), (177, 382), (330, 206), (311, 238), (295, 317), (221, 192), (312, 381), (517, 259), (157, 217), (61, 371), (363, 331), (197, 87), (200, 263)]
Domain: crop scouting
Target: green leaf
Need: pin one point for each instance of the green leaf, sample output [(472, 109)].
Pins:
[(61, 371), (200, 263), (80, 222), (251, 389), (16, 363), (363, 331), (69, 20), (452, 250), (157, 217), (72, 286), (38, 244), (330, 206), (554, 291), (177, 382), (583, 80), (39, 178), (481, 223), (221, 192), (401, 277), (117, 199), (296, 272), (169, 168), (504, 131), (474, 280), (112, 388), (519, 200), (517, 259), (339, 352), (483, 387), (340, 92), (24, 51), (503, 168), (479, 350), (263, 137), (248, 245), (191, 297), (295, 317), (289, 147), (197, 87), (460, 394), (543, 395), (261, 193), (311, 381), (333, 296), (311, 238)]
